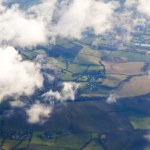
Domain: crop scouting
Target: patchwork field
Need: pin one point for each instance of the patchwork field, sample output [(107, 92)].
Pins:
[(79, 62), (84, 125)]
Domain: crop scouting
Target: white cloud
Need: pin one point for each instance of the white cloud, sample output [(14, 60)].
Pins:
[(147, 136), (17, 77), (25, 28), (38, 113), (130, 3), (67, 93), (141, 5), (35, 25), (81, 15), (43, 10), (112, 98), (17, 103), (144, 6)]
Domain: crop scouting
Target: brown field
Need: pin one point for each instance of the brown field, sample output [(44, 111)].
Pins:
[(128, 68), (135, 87)]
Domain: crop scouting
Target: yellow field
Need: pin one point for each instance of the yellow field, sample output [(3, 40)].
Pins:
[(135, 87), (128, 68)]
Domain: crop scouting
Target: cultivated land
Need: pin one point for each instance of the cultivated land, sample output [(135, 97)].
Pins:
[(90, 123), (100, 71), (83, 125), (136, 86), (128, 68)]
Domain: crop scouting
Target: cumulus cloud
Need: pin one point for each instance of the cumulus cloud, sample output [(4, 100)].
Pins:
[(83, 15), (143, 6), (40, 23), (25, 28), (68, 92), (130, 3), (44, 10), (38, 113), (16, 76)]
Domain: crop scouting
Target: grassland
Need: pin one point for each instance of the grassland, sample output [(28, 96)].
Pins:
[(73, 141), (57, 63), (89, 56), (12, 144), (140, 122), (131, 56), (147, 148), (94, 145), (76, 68), (33, 53), (82, 124), (67, 76), (87, 59), (99, 93), (113, 80), (59, 142), (36, 140)]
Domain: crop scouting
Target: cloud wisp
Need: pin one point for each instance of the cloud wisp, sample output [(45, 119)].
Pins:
[(68, 92)]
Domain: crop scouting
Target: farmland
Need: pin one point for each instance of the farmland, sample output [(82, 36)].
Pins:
[(140, 122), (136, 86), (96, 75), (129, 68), (99, 72), (85, 125)]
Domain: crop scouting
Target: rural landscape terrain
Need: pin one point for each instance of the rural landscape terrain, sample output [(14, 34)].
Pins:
[(109, 106)]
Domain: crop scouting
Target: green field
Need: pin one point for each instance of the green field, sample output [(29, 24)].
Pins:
[(73, 141), (38, 141), (76, 68), (131, 56), (99, 93), (31, 54), (113, 80), (147, 148), (94, 145), (10, 144), (140, 122)]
